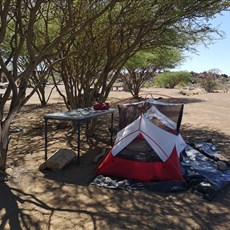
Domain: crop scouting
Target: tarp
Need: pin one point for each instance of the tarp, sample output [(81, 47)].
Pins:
[(202, 173)]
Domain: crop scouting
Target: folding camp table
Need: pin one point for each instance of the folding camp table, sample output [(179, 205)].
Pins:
[(78, 116)]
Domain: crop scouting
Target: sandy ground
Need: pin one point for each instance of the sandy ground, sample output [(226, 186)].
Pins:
[(32, 199)]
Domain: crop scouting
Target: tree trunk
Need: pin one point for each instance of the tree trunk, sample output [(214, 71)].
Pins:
[(136, 91), (2, 159), (5, 137), (4, 141)]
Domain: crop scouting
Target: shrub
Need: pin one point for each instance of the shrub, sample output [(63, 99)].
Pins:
[(172, 79), (209, 84)]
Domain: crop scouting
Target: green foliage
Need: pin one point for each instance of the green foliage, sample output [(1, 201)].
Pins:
[(140, 60), (172, 79), (209, 84), (157, 59)]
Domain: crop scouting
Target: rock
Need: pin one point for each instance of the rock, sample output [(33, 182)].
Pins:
[(183, 92), (9, 171)]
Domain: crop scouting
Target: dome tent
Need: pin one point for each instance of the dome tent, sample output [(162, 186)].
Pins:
[(144, 149)]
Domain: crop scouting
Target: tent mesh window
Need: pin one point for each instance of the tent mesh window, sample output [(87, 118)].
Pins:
[(172, 111), (139, 150)]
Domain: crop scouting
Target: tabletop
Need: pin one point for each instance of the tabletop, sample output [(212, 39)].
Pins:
[(79, 114)]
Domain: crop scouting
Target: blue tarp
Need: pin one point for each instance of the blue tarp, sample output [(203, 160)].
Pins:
[(200, 169)]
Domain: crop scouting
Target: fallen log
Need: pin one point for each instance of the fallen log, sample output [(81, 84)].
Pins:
[(59, 160)]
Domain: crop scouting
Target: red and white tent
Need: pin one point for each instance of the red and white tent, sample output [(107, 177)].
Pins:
[(144, 151)]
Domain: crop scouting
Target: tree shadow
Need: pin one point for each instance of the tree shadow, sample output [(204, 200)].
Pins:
[(221, 140), (8, 204), (118, 209), (18, 218), (14, 216)]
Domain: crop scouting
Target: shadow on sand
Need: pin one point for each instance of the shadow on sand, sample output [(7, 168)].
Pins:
[(104, 208)]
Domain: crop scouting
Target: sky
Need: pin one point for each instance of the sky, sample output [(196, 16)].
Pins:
[(216, 56)]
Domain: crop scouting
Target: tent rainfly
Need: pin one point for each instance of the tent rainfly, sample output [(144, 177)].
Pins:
[(145, 151)]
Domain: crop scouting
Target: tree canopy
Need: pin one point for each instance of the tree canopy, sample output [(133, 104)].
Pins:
[(89, 42)]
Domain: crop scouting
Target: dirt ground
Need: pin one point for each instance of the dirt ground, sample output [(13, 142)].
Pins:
[(33, 199)]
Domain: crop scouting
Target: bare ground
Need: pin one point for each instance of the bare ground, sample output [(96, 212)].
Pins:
[(32, 199)]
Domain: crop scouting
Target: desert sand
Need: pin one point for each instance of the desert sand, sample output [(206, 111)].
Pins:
[(33, 199)]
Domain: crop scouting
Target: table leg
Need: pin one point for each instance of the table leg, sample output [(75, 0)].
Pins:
[(87, 130), (78, 140), (111, 137), (46, 141)]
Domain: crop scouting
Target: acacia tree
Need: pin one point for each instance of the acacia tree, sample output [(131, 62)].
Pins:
[(144, 65), (97, 56), (26, 30), (39, 79)]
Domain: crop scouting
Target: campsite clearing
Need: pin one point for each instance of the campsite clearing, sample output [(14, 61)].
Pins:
[(32, 199)]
